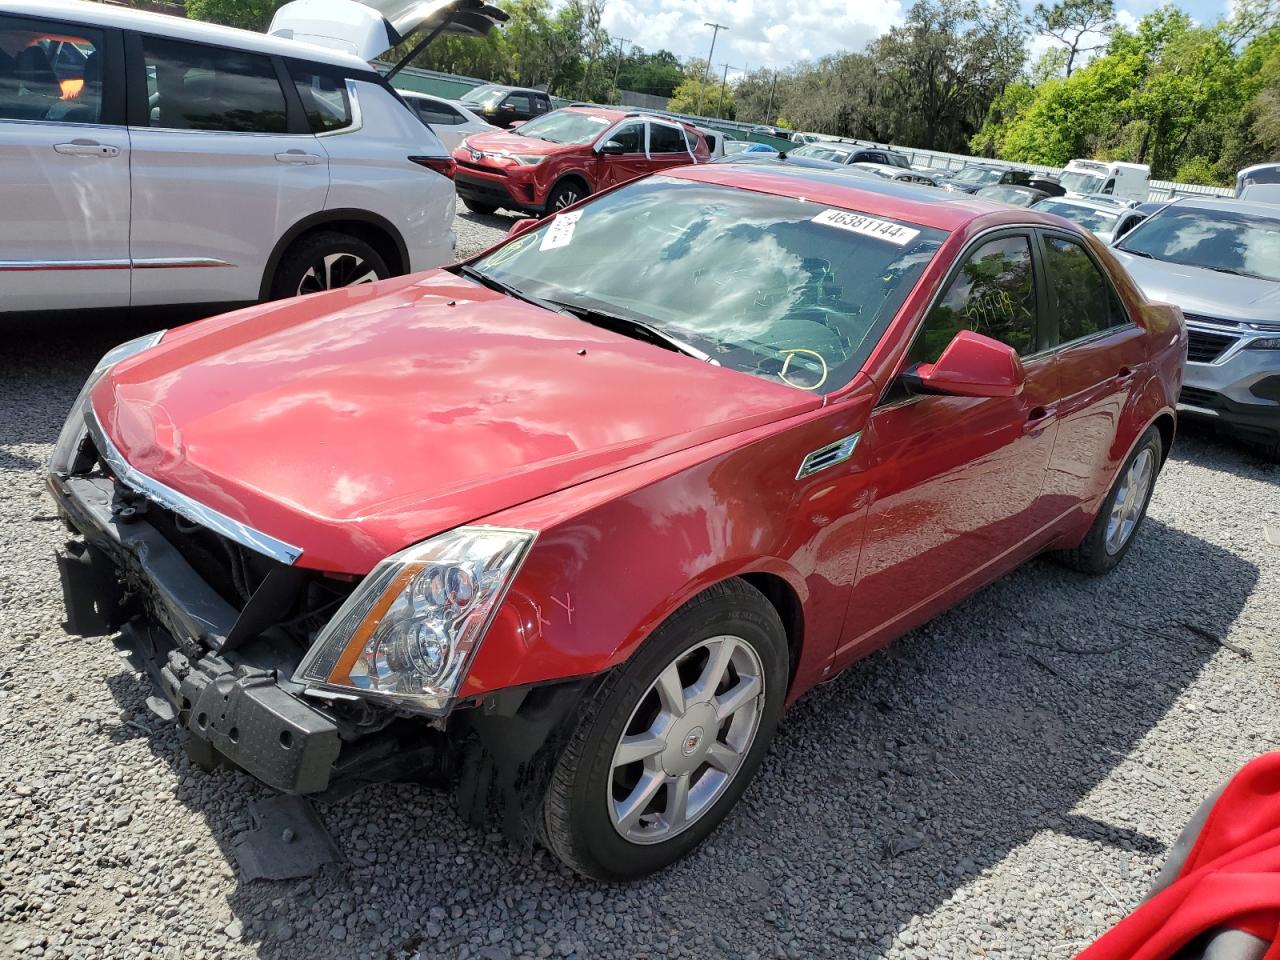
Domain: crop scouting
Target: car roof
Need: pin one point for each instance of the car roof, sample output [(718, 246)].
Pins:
[(913, 203), (162, 24), (1091, 204), (508, 89), (1228, 205)]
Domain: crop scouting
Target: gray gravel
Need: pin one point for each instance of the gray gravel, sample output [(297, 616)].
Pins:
[(1002, 782)]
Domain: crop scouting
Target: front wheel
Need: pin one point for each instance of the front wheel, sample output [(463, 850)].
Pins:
[(1122, 512), (565, 194), (327, 261), (671, 740), (475, 206)]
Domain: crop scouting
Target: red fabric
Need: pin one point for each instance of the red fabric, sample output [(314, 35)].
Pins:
[(1231, 877)]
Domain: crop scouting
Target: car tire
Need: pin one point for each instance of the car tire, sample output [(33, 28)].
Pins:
[(564, 194), (1116, 524), (326, 261), (484, 209), (593, 814)]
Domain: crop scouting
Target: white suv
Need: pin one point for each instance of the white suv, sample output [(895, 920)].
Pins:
[(146, 159)]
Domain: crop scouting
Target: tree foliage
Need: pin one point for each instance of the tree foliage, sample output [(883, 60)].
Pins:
[(1075, 24), (1189, 100), (245, 14)]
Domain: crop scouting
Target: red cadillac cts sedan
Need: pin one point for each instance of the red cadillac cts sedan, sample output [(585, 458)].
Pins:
[(557, 159), (567, 526)]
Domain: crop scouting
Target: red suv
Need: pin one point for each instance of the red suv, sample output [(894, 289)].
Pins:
[(559, 158)]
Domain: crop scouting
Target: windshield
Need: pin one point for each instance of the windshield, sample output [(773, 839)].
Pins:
[(1223, 240), (785, 289), (486, 96), (564, 126), (1073, 181), (820, 153), (977, 175), (1011, 195), (1099, 221)]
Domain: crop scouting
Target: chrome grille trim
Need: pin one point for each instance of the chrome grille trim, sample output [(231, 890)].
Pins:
[(183, 505)]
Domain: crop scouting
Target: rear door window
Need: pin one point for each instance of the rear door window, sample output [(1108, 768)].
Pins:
[(198, 87), (433, 111), (50, 71), (324, 97), (1080, 294), (665, 139), (994, 294)]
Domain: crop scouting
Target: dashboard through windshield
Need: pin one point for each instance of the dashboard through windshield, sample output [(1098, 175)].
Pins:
[(779, 287)]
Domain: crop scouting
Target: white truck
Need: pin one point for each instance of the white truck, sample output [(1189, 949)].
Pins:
[(1128, 181)]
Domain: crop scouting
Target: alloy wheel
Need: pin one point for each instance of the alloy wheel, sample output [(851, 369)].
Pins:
[(565, 197), (336, 270), (686, 739), (1131, 498)]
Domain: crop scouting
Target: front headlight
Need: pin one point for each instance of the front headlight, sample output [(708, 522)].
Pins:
[(1265, 343), (410, 629), (73, 430), (528, 159)]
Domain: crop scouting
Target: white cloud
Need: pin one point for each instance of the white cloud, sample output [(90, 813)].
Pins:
[(762, 33)]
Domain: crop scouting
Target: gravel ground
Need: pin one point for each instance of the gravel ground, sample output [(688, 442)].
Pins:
[(1000, 783)]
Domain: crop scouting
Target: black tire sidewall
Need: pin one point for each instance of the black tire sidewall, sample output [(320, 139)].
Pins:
[(304, 254), (1096, 542), (483, 209), (582, 193), (595, 840)]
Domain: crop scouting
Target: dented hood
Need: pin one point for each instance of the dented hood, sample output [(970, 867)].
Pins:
[(354, 423)]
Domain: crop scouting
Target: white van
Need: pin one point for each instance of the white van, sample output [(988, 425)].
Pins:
[(1128, 181), (149, 160), (1260, 182)]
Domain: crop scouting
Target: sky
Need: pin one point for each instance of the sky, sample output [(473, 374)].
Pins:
[(777, 33)]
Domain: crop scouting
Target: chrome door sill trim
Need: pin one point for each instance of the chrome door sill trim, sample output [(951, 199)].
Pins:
[(149, 263)]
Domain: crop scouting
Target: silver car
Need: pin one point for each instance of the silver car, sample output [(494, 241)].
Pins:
[(1107, 218), (148, 160), (1219, 260)]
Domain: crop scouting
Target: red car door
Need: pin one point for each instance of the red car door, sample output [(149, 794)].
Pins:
[(633, 162), (1102, 354), (955, 482)]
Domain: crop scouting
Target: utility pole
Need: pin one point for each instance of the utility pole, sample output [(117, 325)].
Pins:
[(618, 65), (723, 82), (702, 87)]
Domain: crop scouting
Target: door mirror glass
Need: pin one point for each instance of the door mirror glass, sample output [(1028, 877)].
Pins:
[(612, 148), (971, 366)]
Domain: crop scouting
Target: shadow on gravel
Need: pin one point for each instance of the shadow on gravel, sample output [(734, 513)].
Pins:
[(1201, 443), (886, 790), (499, 221)]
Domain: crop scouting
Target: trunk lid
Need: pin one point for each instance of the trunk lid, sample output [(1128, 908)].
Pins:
[(371, 29)]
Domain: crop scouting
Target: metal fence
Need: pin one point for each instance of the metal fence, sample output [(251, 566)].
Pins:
[(452, 86)]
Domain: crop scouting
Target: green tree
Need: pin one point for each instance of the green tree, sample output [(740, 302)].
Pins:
[(1074, 23), (245, 14)]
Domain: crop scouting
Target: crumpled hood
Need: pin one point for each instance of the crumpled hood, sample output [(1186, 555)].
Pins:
[(354, 423), (1205, 292)]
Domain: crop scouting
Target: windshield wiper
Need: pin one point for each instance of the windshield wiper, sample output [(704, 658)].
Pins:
[(634, 328), (1137, 253), (495, 284), (1237, 273)]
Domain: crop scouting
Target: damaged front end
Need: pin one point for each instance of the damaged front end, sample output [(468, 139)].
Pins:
[(246, 653)]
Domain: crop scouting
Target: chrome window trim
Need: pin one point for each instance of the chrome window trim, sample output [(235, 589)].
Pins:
[(357, 117), (180, 503)]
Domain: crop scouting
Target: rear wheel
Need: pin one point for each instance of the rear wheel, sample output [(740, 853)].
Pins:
[(673, 738), (1122, 512), (327, 261), (484, 209)]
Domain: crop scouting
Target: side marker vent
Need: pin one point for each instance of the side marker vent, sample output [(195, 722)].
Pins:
[(827, 456)]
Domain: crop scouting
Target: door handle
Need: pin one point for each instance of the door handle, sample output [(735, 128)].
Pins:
[(299, 157), (86, 148), (1124, 376), (1037, 419)]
